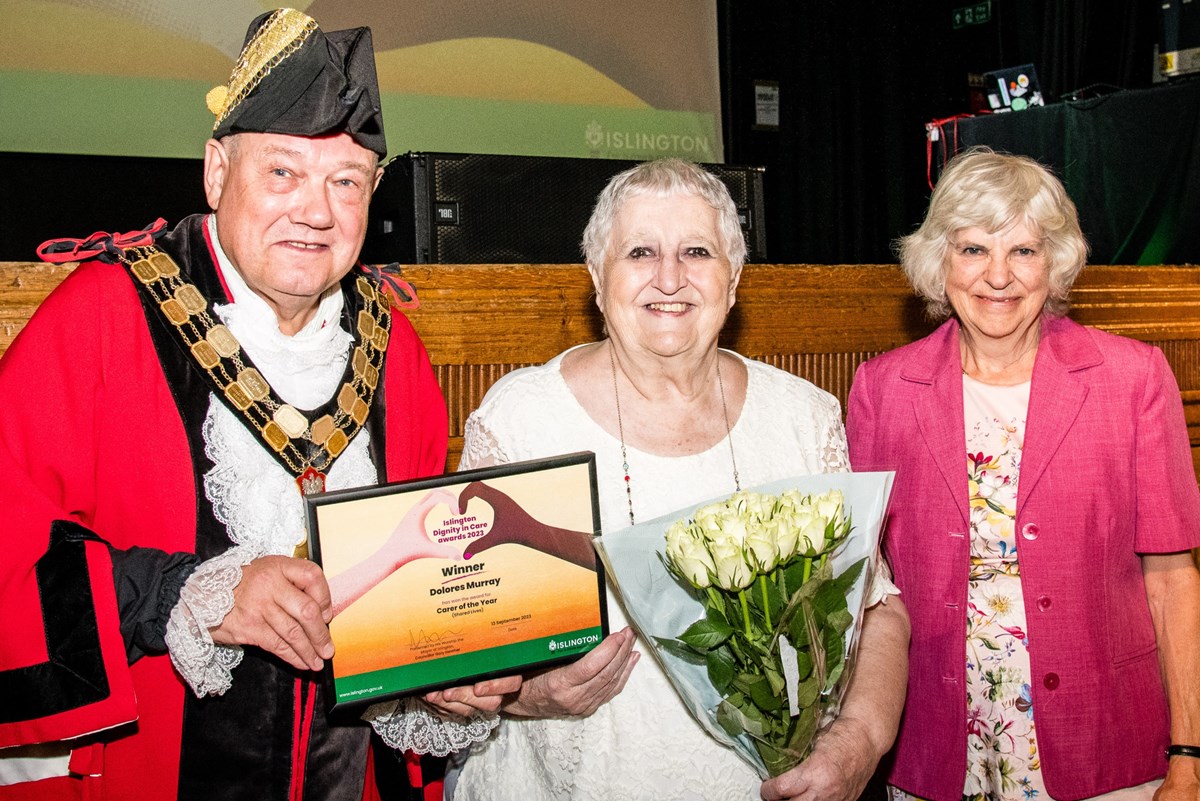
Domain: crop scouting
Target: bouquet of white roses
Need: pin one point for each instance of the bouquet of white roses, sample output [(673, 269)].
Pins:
[(753, 605), (772, 638)]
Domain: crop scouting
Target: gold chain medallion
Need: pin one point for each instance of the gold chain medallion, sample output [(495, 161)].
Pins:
[(286, 430)]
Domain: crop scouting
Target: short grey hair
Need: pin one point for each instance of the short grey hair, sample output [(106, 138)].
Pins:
[(663, 178), (993, 191)]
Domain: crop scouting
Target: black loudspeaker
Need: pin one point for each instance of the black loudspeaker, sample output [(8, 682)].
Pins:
[(453, 208)]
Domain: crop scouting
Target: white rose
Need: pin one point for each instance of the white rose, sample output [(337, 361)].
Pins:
[(792, 499), (687, 553), (812, 534), (732, 572), (786, 535), (695, 563), (754, 504), (708, 517), (829, 505), (732, 526), (762, 548), (675, 534), (801, 518)]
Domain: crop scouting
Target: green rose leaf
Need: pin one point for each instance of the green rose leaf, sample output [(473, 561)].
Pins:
[(835, 656), (807, 692), (804, 731), (839, 621), (756, 723), (704, 635), (715, 611), (831, 595), (774, 600), (777, 760), (791, 576), (739, 717), (804, 595), (730, 718), (742, 682), (775, 679), (682, 651), (804, 664), (763, 695), (721, 668), (835, 673), (850, 575), (797, 627)]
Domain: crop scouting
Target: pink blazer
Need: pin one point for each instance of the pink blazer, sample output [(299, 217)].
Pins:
[(1106, 474)]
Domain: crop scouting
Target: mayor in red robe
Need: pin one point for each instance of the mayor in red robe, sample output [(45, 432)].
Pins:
[(109, 394)]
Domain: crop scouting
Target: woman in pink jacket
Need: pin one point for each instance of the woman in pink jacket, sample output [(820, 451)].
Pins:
[(1044, 507)]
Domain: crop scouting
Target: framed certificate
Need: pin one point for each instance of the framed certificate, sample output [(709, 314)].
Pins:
[(446, 581)]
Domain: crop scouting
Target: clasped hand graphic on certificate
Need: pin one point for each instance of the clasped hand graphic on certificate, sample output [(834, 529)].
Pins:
[(410, 540), (513, 524)]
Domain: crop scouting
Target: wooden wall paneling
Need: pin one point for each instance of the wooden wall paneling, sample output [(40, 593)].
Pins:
[(480, 322), (23, 285)]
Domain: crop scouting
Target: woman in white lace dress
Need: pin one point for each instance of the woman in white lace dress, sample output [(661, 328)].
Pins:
[(1044, 508), (672, 420)]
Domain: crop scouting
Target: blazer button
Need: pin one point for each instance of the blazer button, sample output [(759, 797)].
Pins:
[(1043, 602), (1050, 682), (1029, 531)]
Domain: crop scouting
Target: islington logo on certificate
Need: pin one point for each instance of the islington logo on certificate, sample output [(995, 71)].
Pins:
[(445, 581)]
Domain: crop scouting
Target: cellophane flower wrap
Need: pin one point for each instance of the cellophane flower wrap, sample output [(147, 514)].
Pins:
[(753, 603)]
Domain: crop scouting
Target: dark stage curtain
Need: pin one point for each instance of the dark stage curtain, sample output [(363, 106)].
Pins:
[(846, 172), (1088, 46), (1130, 161)]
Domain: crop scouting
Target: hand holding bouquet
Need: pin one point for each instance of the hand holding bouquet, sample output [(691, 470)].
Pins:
[(773, 638)]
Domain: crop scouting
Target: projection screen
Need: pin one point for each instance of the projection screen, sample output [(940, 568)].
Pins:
[(624, 79)]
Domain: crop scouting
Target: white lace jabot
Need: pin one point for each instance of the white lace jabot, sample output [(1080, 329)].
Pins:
[(261, 507), (251, 493)]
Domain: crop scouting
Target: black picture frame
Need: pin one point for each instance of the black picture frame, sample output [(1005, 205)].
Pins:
[(410, 617)]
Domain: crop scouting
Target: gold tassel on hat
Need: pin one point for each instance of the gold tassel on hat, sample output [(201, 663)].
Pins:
[(215, 100)]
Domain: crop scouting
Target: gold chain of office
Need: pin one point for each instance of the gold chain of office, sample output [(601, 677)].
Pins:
[(283, 427)]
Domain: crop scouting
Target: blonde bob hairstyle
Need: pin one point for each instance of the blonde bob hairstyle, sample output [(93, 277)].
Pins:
[(663, 178), (994, 191)]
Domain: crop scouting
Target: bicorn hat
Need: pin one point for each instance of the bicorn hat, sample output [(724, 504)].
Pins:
[(293, 78)]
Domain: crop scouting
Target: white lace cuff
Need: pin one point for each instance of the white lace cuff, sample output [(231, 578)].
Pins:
[(205, 599), (409, 724)]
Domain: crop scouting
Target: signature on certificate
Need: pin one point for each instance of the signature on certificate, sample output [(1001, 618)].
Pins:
[(422, 638)]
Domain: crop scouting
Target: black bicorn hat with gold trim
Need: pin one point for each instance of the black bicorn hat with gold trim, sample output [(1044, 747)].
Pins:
[(293, 78)]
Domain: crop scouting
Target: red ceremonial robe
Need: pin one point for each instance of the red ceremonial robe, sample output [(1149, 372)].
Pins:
[(99, 441)]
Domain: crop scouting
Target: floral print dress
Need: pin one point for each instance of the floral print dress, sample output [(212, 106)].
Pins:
[(1002, 753)]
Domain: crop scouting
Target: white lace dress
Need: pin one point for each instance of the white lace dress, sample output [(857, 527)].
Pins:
[(644, 743)]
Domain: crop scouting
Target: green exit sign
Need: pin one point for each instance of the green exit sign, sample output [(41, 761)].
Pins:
[(972, 15)]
